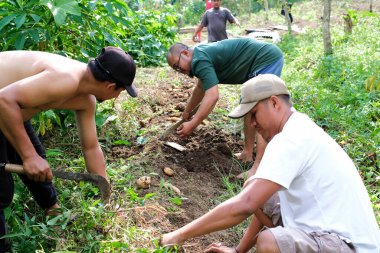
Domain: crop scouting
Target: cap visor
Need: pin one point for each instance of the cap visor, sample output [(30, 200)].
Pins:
[(132, 90), (241, 110)]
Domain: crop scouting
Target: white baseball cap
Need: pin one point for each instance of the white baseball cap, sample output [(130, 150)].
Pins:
[(257, 89)]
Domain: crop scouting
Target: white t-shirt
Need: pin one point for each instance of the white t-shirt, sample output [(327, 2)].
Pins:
[(321, 187)]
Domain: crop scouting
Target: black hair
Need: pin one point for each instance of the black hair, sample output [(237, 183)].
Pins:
[(176, 49), (97, 72), (286, 99)]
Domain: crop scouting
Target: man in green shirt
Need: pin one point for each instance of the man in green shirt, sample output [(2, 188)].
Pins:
[(232, 61)]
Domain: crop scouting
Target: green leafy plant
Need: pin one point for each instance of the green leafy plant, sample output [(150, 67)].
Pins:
[(176, 200)]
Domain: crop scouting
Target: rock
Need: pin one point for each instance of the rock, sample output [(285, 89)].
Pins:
[(143, 182), (181, 107), (172, 187), (168, 171)]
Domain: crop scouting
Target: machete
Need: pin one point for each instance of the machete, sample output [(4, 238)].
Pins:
[(99, 181)]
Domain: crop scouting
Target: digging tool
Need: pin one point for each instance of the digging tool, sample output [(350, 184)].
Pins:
[(176, 125), (99, 181)]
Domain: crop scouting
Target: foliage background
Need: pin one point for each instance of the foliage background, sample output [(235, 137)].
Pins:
[(340, 92), (79, 29)]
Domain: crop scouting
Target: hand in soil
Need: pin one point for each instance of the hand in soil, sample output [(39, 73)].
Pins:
[(219, 248), (185, 129)]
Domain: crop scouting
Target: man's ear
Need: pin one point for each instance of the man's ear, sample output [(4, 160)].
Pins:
[(110, 85), (186, 52), (274, 101)]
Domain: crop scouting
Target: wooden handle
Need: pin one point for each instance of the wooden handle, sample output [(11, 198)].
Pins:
[(176, 125), (14, 168)]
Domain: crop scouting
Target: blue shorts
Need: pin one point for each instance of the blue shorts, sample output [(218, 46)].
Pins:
[(275, 69)]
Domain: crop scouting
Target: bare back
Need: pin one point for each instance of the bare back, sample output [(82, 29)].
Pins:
[(41, 80), (16, 65), (31, 82)]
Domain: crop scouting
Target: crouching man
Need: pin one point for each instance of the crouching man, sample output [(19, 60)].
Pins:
[(324, 204)]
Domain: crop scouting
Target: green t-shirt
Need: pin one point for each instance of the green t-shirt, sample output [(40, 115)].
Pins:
[(231, 61)]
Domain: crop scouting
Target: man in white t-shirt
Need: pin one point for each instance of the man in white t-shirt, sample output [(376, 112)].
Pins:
[(324, 204)]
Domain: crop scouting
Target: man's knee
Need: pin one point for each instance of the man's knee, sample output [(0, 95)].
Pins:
[(266, 242)]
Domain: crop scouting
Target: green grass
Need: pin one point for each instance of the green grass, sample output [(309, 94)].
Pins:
[(330, 89)]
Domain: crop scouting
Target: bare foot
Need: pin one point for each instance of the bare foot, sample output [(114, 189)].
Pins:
[(244, 157), (54, 210)]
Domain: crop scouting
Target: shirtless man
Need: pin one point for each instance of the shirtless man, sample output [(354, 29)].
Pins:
[(31, 82)]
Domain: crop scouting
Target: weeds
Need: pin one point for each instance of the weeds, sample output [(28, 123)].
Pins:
[(340, 92)]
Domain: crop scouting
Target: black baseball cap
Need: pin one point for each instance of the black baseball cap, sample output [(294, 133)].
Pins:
[(119, 66)]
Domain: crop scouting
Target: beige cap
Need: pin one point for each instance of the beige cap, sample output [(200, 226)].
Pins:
[(257, 89)]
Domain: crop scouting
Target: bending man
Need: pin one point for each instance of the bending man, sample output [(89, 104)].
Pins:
[(231, 61), (31, 82)]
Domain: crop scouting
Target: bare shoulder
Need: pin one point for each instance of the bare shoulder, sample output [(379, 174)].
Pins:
[(81, 104), (18, 65)]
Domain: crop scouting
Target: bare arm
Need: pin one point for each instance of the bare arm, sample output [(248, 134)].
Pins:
[(197, 30), (236, 22), (227, 214), (245, 244), (12, 126), (92, 152), (21, 100), (210, 97), (195, 99)]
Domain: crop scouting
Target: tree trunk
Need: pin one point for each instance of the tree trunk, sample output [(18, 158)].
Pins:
[(266, 6), (326, 27), (370, 5), (348, 23), (286, 10)]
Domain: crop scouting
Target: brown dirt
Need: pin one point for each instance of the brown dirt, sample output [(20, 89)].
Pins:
[(198, 170)]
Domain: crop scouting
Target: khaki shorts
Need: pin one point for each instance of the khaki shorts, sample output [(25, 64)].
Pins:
[(292, 240), (272, 209)]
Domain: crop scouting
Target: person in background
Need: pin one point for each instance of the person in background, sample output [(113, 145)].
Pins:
[(32, 82), (208, 6), (325, 207), (215, 19)]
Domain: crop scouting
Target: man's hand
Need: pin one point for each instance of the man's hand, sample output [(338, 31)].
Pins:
[(37, 169), (237, 22), (185, 129), (219, 248), (195, 38)]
